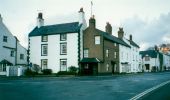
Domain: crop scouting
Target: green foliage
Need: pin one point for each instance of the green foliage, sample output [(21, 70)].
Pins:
[(72, 69), (29, 72), (47, 71)]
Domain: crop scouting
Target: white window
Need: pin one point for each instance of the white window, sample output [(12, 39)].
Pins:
[(86, 53), (63, 48), (44, 38), (107, 67), (22, 56), (115, 44), (107, 53), (115, 54), (12, 53), (44, 49), (44, 63), (147, 58), (97, 39), (63, 64), (63, 37), (5, 39)]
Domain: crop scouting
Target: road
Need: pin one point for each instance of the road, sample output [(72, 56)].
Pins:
[(117, 87)]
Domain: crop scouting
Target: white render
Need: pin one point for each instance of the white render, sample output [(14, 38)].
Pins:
[(54, 51), (12, 44), (152, 62), (130, 56), (166, 61), (53, 43)]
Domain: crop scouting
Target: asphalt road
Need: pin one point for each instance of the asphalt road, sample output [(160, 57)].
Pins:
[(118, 87), (162, 93)]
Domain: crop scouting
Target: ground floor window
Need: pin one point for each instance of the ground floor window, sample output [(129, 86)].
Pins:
[(2, 67), (44, 63), (63, 64)]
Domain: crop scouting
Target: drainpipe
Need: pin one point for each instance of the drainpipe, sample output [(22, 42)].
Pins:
[(16, 49)]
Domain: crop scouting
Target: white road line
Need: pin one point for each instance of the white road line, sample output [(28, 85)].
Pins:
[(149, 90)]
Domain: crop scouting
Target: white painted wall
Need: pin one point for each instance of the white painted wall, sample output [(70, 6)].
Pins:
[(21, 50), (54, 51)]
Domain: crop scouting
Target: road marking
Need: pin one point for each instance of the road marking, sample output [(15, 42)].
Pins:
[(149, 90)]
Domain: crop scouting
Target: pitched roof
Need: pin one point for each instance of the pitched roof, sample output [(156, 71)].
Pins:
[(151, 53), (112, 38), (56, 29), (133, 43)]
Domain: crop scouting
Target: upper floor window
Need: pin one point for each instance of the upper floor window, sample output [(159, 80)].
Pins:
[(115, 44), (44, 49), (22, 56), (63, 48), (86, 53), (147, 58), (5, 39), (97, 39), (12, 53), (115, 54), (107, 53), (63, 37), (44, 38)]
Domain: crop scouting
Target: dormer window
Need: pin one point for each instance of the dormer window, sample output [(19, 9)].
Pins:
[(63, 37), (5, 39)]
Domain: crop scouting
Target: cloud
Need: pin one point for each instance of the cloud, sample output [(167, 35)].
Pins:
[(153, 32)]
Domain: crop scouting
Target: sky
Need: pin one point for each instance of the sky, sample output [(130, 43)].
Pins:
[(147, 20)]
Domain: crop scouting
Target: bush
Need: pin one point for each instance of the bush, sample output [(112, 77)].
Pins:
[(29, 72), (72, 69), (66, 73), (47, 71)]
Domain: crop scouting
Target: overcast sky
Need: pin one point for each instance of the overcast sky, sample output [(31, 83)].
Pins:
[(147, 20)]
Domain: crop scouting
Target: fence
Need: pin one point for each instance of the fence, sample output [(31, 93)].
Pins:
[(15, 70)]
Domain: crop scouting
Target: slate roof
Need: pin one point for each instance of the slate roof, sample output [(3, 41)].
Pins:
[(133, 43), (4, 61), (56, 29), (151, 53), (89, 60), (112, 38)]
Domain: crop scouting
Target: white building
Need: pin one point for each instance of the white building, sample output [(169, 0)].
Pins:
[(12, 53), (128, 55), (59, 46), (151, 60), (166, 62)]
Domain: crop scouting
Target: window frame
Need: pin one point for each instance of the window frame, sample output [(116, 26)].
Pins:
[(62, 66), (85, 53), (115, 54), (107, 52), (5, 38), (42, 64), (61, 50), (21, 56), (62, 35), (42, 38), (95, 41), (42, 53), (12, 53)]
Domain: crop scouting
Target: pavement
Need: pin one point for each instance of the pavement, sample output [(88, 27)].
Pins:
[(116, 87)]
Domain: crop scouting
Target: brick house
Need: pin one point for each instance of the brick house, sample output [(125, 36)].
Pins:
[(101, 50)]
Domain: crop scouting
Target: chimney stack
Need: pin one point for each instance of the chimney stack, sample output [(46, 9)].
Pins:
[(82, 19), (120, 33), (130, 37), (92, 22), (40, 20), (108, 28)]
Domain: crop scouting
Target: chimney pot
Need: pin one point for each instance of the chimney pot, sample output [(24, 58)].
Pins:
[(130, 37), (81, 10), (40, 20), (120, 33)]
